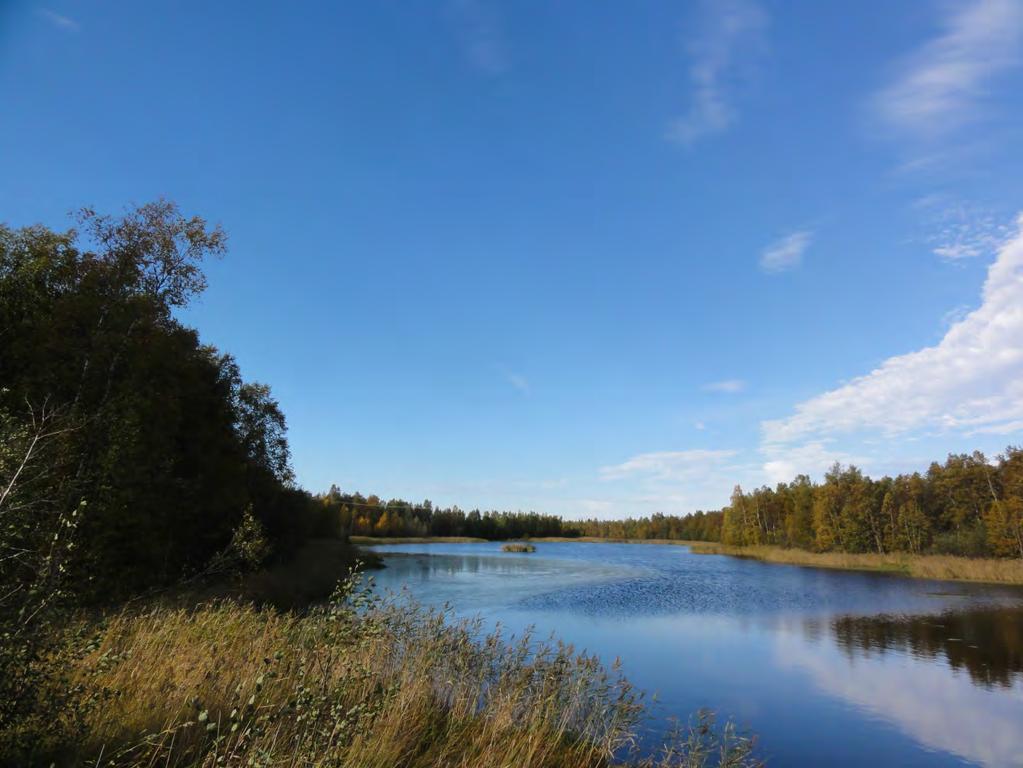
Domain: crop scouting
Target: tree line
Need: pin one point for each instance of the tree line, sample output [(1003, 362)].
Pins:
[(966, 506), (358, 515)]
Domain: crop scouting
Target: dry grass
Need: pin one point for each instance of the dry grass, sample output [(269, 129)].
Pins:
[(918, 566), (354, 684), (370, 540), (517, 546)]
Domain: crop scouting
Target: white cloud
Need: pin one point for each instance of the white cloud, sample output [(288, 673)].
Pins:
[(970, 382), (787, 253), (669, 465), (478, 27), (785, 462), (58, 20), (945, 84), (727, 386), (730, 33), (673, 482)]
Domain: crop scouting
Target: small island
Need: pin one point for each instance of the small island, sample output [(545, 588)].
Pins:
[(518, 546)]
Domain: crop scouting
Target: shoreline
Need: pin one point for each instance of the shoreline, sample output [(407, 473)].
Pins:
[(370, 541), (933, 567), (1005, 572)]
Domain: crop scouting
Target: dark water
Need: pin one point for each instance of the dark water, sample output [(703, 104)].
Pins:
[(826, 667)]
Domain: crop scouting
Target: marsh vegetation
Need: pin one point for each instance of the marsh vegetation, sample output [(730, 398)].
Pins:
[(518, 546)]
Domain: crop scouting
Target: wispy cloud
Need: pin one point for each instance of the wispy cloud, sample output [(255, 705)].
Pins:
[(668, 465), (517, 380), (727, 38), (676, 482), (946, 83), (970, 382), (59, 20), (787, 253), (479, 32), (727, 386), (955, 316), (959, 229)]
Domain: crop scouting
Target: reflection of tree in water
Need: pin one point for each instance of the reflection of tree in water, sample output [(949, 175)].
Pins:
[(453, 565), (986, 642)]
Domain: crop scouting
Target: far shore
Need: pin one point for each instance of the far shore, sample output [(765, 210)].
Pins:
[(369, 541), (612, 540), (936, 567)]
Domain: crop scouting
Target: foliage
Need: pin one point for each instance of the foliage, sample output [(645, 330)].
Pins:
[(37, 539), (169, 444), (966, 506), (357, 515)]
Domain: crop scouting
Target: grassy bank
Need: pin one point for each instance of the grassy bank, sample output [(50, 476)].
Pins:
[(364, 541), (357, 683), (988, 570)]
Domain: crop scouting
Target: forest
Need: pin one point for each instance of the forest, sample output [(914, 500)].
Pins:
[(116, 419), (967, 506), (358, 515)]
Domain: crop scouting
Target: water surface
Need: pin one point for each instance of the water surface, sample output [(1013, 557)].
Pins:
[(826, 667)]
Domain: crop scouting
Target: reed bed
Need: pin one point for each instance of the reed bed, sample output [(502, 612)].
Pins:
[(948, 567), (356, 683), (518, 546)]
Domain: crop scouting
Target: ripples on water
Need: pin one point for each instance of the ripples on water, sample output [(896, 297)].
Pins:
[(825, 666)]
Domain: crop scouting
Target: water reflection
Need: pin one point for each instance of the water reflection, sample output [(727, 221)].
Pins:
[(827, 667), (910, 673), (987, 642)]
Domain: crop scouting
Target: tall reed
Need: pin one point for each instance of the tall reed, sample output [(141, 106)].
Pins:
[(356, 683), (950, 567)]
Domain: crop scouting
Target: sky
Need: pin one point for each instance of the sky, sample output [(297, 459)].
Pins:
[(591, 259)]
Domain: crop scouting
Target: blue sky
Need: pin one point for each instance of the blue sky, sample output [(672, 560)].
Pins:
[(585, 258)]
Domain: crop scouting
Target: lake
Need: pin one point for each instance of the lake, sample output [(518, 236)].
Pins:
[(825, 667)]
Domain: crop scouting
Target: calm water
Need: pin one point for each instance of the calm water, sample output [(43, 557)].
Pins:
[(826, 667)]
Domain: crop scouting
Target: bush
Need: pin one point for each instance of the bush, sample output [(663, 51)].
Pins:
[(969, 542)]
